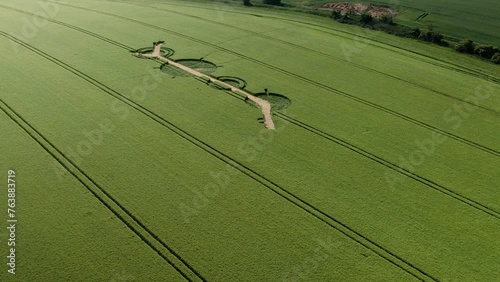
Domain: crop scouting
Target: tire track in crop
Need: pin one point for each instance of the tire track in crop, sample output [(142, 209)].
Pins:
[(360, 66), (131, 221), (123, 46), (427, 182), (95, 35), (413, 54), (364, 153), (434, 61), (404, 52), (100, 194), (403, 171), (356, 236), (310, 81)]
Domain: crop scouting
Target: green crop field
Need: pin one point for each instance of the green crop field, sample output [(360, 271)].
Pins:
[(383, 164), (475, 20)]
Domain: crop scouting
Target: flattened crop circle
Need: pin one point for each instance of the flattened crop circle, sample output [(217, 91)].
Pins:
[(164, 52), (277, 101), (233, 81), (202, 66)]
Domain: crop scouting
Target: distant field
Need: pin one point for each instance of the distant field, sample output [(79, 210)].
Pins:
[(476, 20), (384, 166)]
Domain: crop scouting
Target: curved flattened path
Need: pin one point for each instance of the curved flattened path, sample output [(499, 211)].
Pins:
[(264, 105)]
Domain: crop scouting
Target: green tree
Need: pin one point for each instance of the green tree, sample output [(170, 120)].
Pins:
[(436, 37), (272, 2), (386, 19), (486, 52), (432, 36), (247, 3), (466, 46), (336, 14), (366, 18), (415, 32), (496, 58)]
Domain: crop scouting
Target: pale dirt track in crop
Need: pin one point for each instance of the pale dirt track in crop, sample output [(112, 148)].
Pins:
[(264, 105)]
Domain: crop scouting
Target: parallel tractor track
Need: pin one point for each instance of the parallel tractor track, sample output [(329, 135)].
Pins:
[(125, 216), (106, 199)]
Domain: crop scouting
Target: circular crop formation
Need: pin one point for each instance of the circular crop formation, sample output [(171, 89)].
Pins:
[(233, 81), (277, 101), (164, 52), (202, 66)]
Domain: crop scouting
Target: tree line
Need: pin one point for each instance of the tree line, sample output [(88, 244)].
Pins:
[(268, 2)]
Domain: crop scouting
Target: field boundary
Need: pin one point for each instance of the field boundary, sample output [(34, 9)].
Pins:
[(131, 221), (310, 81)]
